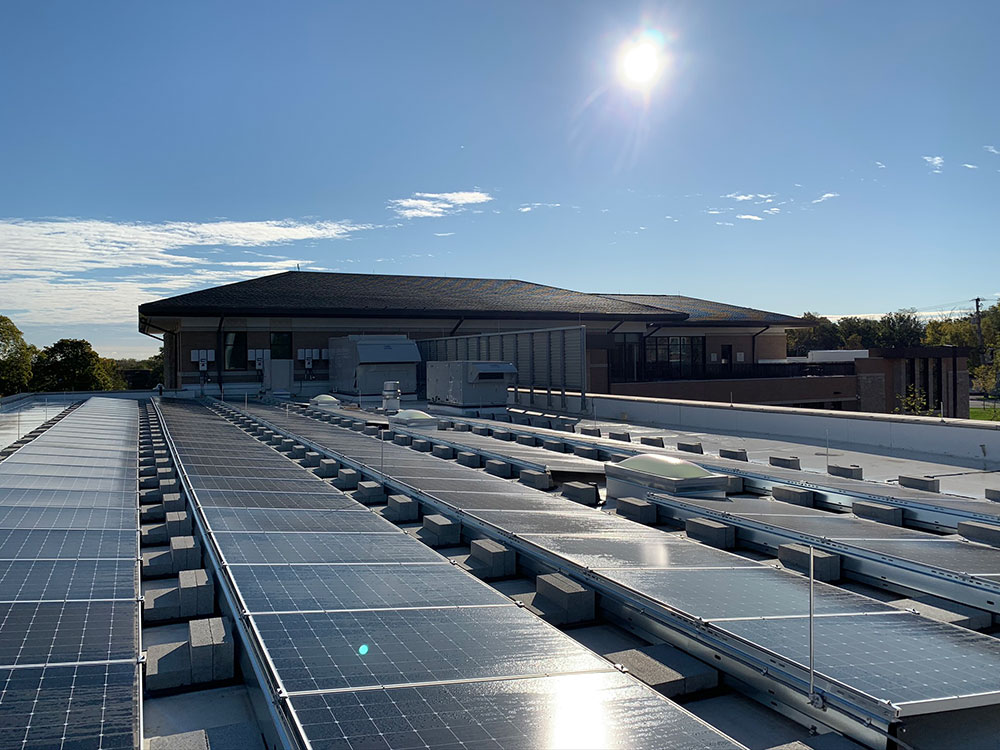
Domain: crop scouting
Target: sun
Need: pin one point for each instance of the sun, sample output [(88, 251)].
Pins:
[(641, 60)]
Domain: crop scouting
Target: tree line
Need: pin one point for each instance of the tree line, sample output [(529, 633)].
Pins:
[(68, 365), (904, 329)]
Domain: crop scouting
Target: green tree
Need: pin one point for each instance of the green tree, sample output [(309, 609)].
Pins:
[(954, 332), (857, 333), (70, 365), (899, 329), (15, 358), (821, 334), (115, 381), (914, 402)]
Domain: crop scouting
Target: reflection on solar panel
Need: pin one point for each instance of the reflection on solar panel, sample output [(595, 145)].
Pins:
[(69, 608), (341, 599), (773, 601), (641, 550)]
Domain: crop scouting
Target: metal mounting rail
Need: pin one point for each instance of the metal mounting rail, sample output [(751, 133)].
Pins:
[(258, 657), (749, 661), (957, 586)]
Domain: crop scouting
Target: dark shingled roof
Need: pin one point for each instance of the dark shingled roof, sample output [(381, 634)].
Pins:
[(315, 294), (708, 312)]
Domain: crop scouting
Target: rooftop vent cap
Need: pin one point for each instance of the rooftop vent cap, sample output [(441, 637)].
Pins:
[(664, 466), (324, 399)]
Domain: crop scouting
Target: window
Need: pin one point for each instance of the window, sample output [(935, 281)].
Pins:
[(235, 351), (281, 345)]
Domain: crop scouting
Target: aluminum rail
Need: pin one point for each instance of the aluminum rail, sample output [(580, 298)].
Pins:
[(287, 726), (746, 660), (957, 586)]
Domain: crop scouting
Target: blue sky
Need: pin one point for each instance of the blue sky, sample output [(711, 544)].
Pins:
[(839, 157)]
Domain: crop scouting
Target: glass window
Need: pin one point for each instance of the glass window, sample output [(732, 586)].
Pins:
[(235, 350), (281, 345)]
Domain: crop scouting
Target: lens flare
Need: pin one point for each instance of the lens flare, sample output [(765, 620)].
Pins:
[(641, 60), (363, 649)]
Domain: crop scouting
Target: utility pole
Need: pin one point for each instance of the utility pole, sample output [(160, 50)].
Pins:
[(979, 328)]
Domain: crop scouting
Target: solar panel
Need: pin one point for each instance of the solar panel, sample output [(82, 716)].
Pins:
[(97, 484), (545, 522), (902, 657), (84, 707), (323, 651), (742, 592), (290, 500), (70, 544), (949, 554), (67, 498), (266, 519), (607, 710), (833, 527), (649, 550), (66, 632), (27, 517), (35, 580), (300, 588), (754, 505), (319, 547), (501, 501)]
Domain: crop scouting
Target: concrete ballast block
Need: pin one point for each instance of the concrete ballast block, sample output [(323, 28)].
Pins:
[(584, 451), (848, 472), (168, 666), (690, 446), (402, 509), (736, 454), (503, 435), (197, 593), (622, 436), (461, 427), (185, 553), (347, 479), (497, 560), (591, 431), (311, 458), (666, 669), (927, 484), (826, 565), (785, 462), (975, 531), (580, 492), (480, 429), (574, 602), (159, 604), (888, 514), (328, 467), (371, 430), (540, 480), (443, 451), (557, 446), (992, 494), (526, 440), (793, 495), (201, 646), (711, 532), (178, 523), (298, 451), (498, 468), (423, 446), (369, 492), (223, 657), (443, 531), (402, 439), (466, 458), (641, 511), (286, 445)]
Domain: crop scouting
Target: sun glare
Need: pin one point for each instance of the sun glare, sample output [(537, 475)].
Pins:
[(640, 64)]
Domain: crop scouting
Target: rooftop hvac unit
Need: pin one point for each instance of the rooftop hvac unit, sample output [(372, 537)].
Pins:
[(360, 365), (467, 384)]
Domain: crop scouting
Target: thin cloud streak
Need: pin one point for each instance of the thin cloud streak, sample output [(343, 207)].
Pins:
[(436, 205)]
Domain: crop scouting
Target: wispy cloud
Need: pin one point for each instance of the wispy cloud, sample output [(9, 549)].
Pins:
[(528, 207), (724, 224), (936, 163), (443, 234), (740, 196), (971, 166), (880, 165), (433, 205), (992, 149), (525, 209), (772, 211), (750, 217), (826, 197)]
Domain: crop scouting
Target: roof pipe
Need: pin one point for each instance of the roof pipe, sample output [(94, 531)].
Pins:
[(753, 344), (220, 353)]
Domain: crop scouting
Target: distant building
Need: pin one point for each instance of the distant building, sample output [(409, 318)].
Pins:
[(652, 345)]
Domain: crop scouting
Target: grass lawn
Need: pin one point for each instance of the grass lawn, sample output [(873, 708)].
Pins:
[(990, 413)]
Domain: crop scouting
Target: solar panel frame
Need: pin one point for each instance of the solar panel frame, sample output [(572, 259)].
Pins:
[(315, 547)]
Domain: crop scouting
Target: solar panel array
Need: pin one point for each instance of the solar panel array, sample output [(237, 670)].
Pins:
[(712, 585), (69, 614), (378, 641)]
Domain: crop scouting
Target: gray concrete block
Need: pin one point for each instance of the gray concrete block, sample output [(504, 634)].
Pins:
[(526, 440), (402, 439), (888, 514), (977, 531), (298, 451), (424, 446), (178, 523), (201, 645), (640, 511), (169, 487), (736, 454), (197, 593), (311, 459), (357, 425), (734, 485), (623, 436), (165, 472), (444, 424), (498, 468), (540, 480), (185, 553), (466, 458), (651, 440), (370, 430), (152, 513), (993, 494), (273, 438), (369, 492), (586, 452), (151, 534), (557, 446), (402, 509), (327, 468), (690, 446), (711, 532), (666, 669), (591, 431), (580, 492), (785, 462), (194, 740), (445, 532), (849, 472), (461, 427), (173, 502), (927, 484), (503, 435), (223, 657), (826, 565), (160, 604), (286, 445), (387, 435), (793, 495), (347, 479), (495, 559), (573, 603), (480, 429), (168, 666), (443, 451), (157, 562)]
